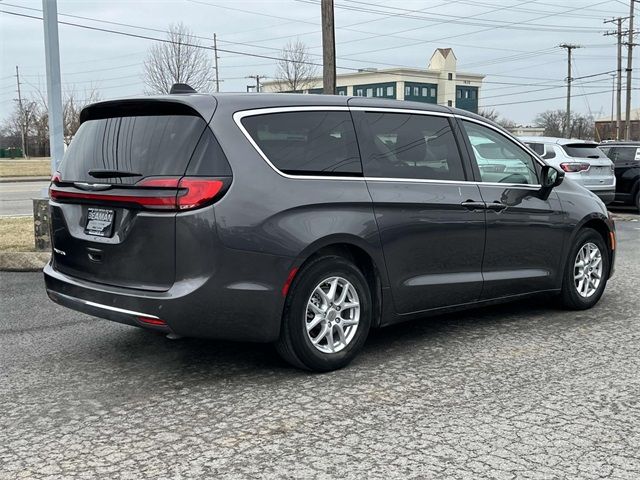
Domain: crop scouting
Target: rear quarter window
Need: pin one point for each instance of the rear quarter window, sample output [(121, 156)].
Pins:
[(307, 143)]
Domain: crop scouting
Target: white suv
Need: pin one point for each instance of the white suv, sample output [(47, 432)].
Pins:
[(582, 161)]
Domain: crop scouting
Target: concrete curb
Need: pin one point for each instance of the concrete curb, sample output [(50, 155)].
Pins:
[(23, 179), (23, 261)]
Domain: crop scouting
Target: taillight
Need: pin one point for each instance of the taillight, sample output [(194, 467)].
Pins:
[(575, 166), (159, 193), (56, 178)]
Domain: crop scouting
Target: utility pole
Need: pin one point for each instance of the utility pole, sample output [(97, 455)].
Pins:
[(627, 130), (54, 85), (613, 123), (257, 79), (215, 52), (618, 34), (22, 122), (570, 47), (328, 49)]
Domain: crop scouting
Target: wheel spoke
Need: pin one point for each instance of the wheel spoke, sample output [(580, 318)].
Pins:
[(330, 343), (343, 295), (321, 335), (350, 305), (332, 290), (313, 323), (315, 309), (323, 295), (343, 338), (349, 322)]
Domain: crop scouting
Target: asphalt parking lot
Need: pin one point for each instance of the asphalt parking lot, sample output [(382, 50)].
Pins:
[(523, 390)]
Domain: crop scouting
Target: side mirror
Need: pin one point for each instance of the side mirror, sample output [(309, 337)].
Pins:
[(550, 177)]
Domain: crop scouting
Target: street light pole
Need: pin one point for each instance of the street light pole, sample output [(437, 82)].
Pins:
[(54, 84)]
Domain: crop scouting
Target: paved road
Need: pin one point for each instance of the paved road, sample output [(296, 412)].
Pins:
[(523, 390), (15, 197)]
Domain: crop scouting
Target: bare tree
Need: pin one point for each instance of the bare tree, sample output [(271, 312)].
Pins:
[(493, 115), (71, 108), (295, 69), (181, 59), (554, 123)]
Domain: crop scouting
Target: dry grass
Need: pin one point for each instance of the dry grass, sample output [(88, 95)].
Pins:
[(36, 167), (16, 234)]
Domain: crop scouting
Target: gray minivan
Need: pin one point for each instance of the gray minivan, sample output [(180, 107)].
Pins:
[(307, 220)]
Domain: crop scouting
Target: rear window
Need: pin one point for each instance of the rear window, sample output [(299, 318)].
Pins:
[(146, 145), (583, 150), (536, 147), (307, 143)]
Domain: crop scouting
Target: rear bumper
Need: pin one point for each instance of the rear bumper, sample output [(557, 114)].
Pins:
[(198, 307), (120, 315), (607, 196)]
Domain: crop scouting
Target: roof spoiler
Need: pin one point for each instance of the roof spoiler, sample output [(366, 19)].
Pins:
[(177, 88)]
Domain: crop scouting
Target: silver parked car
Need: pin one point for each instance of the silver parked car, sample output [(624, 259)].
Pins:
[(582, 161)]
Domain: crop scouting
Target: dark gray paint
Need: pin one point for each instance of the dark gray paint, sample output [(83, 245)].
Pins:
[(232, 259)]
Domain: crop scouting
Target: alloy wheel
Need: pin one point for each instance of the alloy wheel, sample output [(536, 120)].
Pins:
[(332, 315), (587, 270)]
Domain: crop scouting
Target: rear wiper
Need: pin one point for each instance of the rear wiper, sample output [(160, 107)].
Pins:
[(112, 173)]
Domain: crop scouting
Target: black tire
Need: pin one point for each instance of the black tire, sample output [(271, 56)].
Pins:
[(638, 200), (294, 344), (571, 299)]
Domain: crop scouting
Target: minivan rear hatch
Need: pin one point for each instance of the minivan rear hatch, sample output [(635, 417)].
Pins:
[(132, 165)]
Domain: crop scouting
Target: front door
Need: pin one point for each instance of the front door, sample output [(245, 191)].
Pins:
[(431, 221), (523, 243)]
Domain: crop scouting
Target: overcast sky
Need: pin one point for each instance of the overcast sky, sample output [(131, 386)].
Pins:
[(513, 42)]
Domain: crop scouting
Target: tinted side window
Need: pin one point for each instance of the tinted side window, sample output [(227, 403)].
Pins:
[(499, 159), (399, 145), (537, 147), (307, 143), (623, 154), (208, 159)]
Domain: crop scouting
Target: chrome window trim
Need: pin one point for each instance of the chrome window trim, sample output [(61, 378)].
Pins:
[(238, 116), (401, 110)]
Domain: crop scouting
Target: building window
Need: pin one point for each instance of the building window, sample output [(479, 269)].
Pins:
[(379, 91), (449, 103), (451, 76), (459, 92), (369, 92), (416, 91), (407, 91), (389, 91), (473, 94), (359, 92), (424, 92), (433, 92), (341, 92)]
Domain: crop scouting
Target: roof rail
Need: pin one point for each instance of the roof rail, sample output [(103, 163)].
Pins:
[(181, 88)]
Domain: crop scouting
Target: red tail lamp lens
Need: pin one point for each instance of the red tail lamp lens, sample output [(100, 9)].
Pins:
[(152, 321), (575, 166), (198, 192), (156, 193)]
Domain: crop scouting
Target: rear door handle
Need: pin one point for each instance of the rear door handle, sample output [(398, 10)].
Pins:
[(496, 206), (471, 205)]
